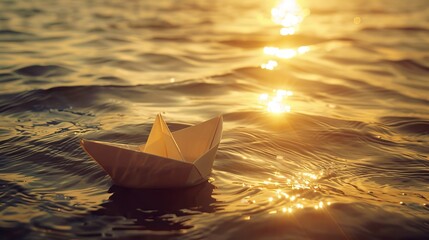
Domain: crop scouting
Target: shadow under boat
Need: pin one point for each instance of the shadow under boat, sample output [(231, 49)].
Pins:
[(159, 209)]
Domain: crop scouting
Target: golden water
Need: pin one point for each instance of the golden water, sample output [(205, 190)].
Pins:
[(325, 106)]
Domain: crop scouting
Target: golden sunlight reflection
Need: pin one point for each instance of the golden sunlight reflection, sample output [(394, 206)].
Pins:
[(276, 102), (289, 14), (357, 20), (270, 65), (289, 194), (302, 181), (285, 53)]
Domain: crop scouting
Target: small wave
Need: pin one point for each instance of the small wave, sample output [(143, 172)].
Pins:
[(9, 35), (399, 29), (154, 23), (409, 65), (410, 125), (204, 88), (78, 97), (8, 77), (13, 32), (111, 79), (158, 61), (290, 41), (171, 39), (60, 98), (43, 70), (146, 62)]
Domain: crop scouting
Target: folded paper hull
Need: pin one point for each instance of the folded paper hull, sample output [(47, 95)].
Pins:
[(167, 160), (130, 167)]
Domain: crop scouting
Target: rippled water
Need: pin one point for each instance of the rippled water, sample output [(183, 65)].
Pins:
[(339, 152)]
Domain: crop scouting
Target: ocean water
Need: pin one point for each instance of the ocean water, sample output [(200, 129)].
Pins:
[(325, 107)]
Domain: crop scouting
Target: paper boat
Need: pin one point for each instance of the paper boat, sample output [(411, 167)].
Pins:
[(167, 160)]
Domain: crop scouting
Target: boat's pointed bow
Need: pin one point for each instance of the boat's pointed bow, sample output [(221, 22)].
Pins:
[(129, 167), (93, 149)]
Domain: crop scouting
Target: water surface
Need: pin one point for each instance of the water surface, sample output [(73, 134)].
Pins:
[(325, 106)]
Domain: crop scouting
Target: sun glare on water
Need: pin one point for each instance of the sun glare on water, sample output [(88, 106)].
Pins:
[(276, 102), (270, 65), (289, 14), (285, 53), (287, 194)]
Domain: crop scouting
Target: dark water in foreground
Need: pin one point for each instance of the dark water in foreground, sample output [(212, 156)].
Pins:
[(348, 160)]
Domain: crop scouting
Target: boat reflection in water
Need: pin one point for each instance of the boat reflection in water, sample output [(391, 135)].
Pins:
[(159, 209)]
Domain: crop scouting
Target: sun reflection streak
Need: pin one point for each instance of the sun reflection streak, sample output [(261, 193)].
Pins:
[(285, 194), (289, 14), (285, 53), (276, 103), (270, 65)]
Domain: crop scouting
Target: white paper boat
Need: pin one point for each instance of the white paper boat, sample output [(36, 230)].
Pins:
[(167, 160)]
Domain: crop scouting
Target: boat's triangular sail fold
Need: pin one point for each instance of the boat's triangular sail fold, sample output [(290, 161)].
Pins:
[(161, 142), (194, 141)]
